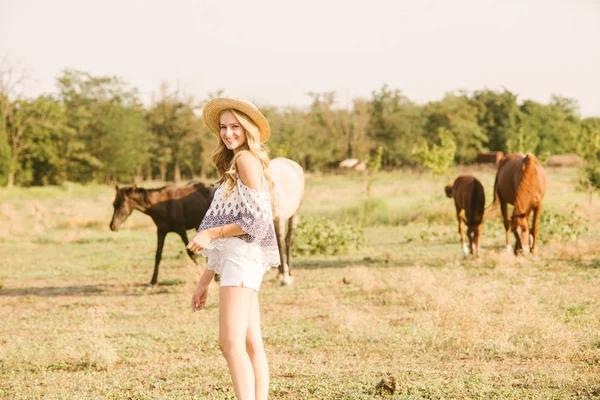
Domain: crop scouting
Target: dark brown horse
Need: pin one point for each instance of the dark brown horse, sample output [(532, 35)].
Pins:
[(173, 209), (520, 181), (469, 201)]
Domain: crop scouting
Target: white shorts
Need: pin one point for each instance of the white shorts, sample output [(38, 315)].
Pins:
[(240, 271), (239, 263)]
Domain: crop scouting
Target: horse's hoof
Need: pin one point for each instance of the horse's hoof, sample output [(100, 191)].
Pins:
[(465, 251), (286, 281)]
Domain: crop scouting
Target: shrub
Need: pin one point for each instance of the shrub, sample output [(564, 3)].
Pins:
[(326, 237), (564, 227), (440, 158)]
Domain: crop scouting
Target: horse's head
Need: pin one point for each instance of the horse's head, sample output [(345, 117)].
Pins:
[(448, 190), (520, 227), (123, 205)]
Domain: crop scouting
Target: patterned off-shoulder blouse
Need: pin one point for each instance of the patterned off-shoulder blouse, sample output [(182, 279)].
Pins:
[(251, 210)]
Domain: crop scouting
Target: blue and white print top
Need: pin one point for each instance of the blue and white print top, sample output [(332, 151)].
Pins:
[(251, 210)]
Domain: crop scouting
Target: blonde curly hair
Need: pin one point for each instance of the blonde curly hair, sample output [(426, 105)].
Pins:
[(225, 160)]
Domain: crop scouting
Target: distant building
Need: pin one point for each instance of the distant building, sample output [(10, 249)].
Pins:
[(492, 157)]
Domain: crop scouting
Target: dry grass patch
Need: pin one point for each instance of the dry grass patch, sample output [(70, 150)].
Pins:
[(79, 321)]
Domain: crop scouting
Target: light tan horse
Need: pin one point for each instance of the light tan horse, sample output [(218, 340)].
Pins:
[(286, 197), (520, 181)]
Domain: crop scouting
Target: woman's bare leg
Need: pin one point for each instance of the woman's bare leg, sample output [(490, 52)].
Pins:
[(256, 351), (234, 314)]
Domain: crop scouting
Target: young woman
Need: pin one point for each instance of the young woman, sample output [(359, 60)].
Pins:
[(238, 238)]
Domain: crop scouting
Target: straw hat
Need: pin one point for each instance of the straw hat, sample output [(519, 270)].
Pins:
[(212, 110)]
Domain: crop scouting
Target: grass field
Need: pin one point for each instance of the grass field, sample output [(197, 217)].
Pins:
[(80, 322)]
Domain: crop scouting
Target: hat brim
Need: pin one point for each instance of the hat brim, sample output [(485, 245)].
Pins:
[(213, 109)]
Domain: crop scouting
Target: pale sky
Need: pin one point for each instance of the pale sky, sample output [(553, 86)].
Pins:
[(275, 51)]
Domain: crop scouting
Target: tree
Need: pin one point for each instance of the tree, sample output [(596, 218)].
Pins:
[(12, 120), (523, 142), (291, 141), (45, 163), (497, 114), (456, 114), (361, 145), (4, 147), (588, 147), (331, 127), (175, 127), (395, 124), (557, 124), (110, 137), (26, 122)]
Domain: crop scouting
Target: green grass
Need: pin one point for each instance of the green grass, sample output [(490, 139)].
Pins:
[(79, 321)]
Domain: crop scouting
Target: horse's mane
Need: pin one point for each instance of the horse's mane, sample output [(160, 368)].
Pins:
[(147, 192), (526, 189)]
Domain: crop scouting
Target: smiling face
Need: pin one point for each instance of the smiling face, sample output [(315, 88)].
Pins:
[(232, 133)]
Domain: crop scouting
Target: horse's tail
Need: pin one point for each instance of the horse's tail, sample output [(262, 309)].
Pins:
[(477, 202), (496, 201)]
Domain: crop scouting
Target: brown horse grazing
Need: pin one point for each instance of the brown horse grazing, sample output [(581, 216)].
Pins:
[(469, 200), (520, 181), (173, 209)]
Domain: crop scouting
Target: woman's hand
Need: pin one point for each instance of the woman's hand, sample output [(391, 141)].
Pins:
[(199, 297), (199, 241), (201, 292)]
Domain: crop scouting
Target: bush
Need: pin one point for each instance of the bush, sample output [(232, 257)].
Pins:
[(440, 158), (589, 178), (325, 237), (560, 226)]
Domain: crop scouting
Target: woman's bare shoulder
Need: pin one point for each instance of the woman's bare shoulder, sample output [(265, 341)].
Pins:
[(250, 170)]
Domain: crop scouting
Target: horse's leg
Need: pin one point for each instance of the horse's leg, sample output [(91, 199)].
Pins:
[(158, 256), (472, 235), (526, 245), (504, 209), (461, 232), (534, 227), (183, 235), (476, 237), (289, 243), (283, 267)]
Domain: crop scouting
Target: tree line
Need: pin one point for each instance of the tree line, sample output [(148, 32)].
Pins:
[(96, 129)]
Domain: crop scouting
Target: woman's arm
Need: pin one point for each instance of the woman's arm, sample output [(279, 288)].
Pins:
[(250, 171), (224, 231), (202, 239)]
